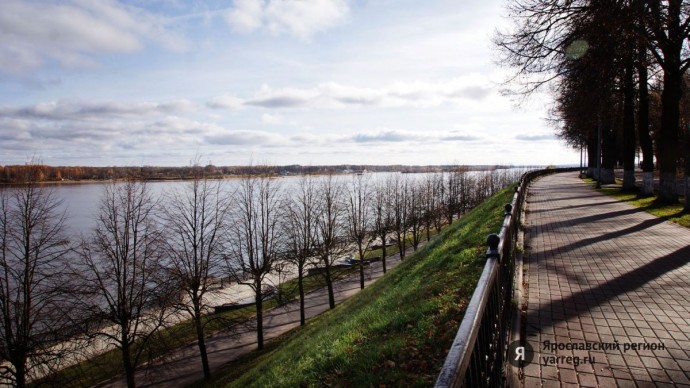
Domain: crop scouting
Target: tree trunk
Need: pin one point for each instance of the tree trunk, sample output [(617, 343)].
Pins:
[(201, 340), (686, 206), (643, 127), (329, 284), (671, 45), (668, 139), (648, 183), (401, 245), (383, 252), (300, 286), (20, 371), (608, 154), (629, 143), (361, 272), (592, 154), (127, 360), (259, 314)]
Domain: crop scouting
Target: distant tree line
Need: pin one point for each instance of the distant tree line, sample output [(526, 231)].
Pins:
[(149, 258), (618, 71), (44, 173)]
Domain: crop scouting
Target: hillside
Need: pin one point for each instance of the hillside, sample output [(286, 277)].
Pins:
[(395, 332)]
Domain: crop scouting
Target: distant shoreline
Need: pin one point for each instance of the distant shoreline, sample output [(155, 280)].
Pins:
[(17, 174)]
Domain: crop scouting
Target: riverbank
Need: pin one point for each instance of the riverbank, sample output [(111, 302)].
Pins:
[(395, 332)]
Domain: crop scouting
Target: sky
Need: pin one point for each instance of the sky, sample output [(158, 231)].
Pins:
[(311, 82)]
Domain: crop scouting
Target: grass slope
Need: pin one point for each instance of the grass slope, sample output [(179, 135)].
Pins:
[(395, 332)]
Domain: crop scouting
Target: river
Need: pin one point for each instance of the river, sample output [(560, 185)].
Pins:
[(80, 201)]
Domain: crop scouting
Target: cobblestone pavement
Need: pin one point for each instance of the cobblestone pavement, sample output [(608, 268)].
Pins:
[(604, 275)]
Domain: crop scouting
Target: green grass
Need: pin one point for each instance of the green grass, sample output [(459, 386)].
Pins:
[(670, 212), (394, 249), (395, 332)]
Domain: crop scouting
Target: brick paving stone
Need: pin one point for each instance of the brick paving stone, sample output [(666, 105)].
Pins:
[(551, 384), (624, 383), (587, 380), (599, 270), (568, 376), (531, 382), (606, 381)]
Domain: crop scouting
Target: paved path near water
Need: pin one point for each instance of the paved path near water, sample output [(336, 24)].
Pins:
[(183, 367), (606, 275)]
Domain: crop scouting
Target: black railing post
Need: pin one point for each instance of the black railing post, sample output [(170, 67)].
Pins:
[(492, 241), (476, 357)]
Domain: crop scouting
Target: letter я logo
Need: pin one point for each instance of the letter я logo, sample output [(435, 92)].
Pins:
[(519, 354)]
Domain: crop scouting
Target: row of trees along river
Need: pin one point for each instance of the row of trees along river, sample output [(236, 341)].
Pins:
[(618, 71), (153, 248)]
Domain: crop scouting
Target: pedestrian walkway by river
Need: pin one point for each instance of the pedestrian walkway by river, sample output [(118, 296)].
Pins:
[(608, 288), (183, 367)]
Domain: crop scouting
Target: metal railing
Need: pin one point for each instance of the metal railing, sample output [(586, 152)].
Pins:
[(476, 358)]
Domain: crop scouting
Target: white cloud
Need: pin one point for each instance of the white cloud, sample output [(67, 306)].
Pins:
[(244, 138), (535, 136), (72, 32), (386, 136), (82, 110), (246, 16), (183, 105), (283, 98), (460, 135), (407, 136), (270, 119), (225, 102), (301, 19), (333, 95), (305, 18)]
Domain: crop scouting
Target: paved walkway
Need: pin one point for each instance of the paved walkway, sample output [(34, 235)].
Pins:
[(183, 367), (603, 274)]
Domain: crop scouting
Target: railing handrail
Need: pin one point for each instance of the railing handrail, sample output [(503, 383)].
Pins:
[(460, 354), (467, 332)]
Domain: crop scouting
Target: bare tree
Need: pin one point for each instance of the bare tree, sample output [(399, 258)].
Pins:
[(400, 203), (381, 209), (34, 296), (358, 218), (429, 203), (330, 230), (465, 184), (451, 195), (416, 213), (196, 221), (255, 237), (126, 290), (300, 231), (438, 192)]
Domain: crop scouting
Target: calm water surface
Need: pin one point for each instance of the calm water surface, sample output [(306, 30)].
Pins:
[(81, 200)]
